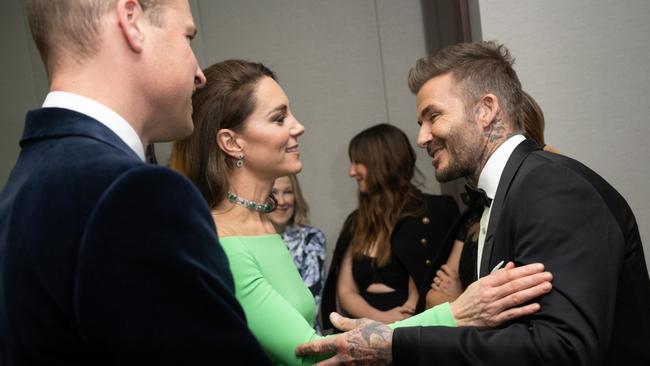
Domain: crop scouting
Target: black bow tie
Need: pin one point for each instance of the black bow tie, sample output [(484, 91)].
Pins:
[(475, 197)]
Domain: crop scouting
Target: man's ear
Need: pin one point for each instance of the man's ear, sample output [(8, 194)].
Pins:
[(130, 17), (230, 143), (487, 109)]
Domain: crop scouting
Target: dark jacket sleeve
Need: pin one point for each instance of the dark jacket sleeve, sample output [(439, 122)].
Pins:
[(328, 299), (153, 284), (421, 240), (555, 217)]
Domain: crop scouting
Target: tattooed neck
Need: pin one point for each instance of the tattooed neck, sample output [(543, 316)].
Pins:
[(496, 134)]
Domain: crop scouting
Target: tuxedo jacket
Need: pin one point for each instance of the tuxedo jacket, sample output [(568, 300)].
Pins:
[(551, 209), (416, 241), (107, 260)]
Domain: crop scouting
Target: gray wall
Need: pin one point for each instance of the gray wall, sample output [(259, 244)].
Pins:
[(22, 81), (342, 63), (587, 63)]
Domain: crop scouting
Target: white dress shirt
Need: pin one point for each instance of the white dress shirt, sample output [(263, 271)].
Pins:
[(489, 182), (100, 112)]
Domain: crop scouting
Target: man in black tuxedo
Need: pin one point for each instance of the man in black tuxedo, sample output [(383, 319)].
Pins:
[(541, 207), (104, 259)]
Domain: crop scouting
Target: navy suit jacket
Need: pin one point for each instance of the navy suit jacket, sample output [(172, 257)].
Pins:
[(107, 260), (552, 209)]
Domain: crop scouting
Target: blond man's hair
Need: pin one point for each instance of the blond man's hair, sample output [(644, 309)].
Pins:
[(71, 28), (300, 206)]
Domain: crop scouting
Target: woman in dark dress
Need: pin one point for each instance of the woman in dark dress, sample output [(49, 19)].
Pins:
[(390, 242)]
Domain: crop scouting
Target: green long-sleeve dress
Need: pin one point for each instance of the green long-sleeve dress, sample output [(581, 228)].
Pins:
[(279, 308)]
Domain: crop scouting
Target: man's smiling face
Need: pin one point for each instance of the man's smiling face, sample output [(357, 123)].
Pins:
[(451, 136)]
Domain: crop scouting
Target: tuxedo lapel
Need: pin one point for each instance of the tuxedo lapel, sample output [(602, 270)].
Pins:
[(512, 166)]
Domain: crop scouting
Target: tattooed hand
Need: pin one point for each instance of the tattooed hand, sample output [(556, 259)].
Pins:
[(365, 342)]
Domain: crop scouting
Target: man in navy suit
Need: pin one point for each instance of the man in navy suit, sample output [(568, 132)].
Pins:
[(540, 207), (105, 259)]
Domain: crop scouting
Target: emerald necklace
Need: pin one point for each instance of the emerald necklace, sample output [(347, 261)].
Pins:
[(265, 207)]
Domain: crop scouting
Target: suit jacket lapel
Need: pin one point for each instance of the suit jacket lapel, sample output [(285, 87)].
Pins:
[(512, 166), (58, 122)]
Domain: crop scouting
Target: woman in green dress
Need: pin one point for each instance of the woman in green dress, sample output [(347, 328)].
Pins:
[(245, 137)]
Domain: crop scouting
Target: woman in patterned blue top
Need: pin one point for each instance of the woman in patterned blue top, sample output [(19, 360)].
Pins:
[(306, 243)]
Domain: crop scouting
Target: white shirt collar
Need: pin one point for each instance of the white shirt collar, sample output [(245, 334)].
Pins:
[(100, 112), (491, 173)]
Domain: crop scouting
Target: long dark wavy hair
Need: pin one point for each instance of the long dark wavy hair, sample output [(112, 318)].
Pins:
[(390, 161)]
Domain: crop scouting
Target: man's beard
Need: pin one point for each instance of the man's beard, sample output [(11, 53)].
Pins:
[(462, 156), (453, 171)]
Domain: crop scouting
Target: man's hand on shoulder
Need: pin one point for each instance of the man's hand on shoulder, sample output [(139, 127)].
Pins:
[(496, 298)]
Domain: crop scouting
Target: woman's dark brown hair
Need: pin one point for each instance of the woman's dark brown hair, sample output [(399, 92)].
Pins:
[(390, 161), (533, 118), (226, 101)]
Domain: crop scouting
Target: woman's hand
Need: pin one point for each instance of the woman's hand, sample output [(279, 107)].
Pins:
[(395, 314), (447, 282)]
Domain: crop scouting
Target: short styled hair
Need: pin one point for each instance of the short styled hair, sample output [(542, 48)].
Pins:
[(73, 26), (478, 68)]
